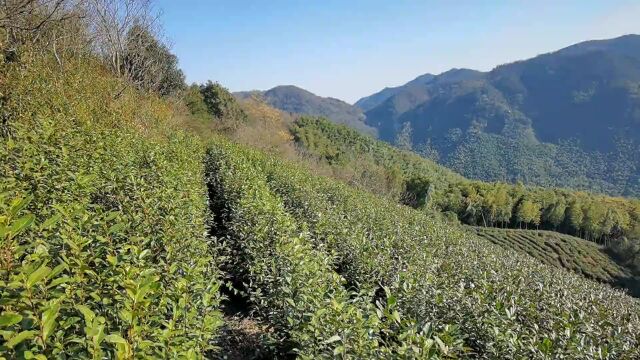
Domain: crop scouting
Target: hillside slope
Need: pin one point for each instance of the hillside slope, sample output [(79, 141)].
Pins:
[(133, 226), (567, 118), (103, 238), (564, 251), (421, 183), (419, 270)]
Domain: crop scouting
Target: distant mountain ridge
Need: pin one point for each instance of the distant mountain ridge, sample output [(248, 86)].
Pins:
[(295, 100), (569, 117), (371, 101)]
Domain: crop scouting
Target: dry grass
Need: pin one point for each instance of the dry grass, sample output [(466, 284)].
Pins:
[(243, 338)]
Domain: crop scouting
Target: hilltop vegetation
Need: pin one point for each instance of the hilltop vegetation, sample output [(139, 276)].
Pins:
[(568, 118)]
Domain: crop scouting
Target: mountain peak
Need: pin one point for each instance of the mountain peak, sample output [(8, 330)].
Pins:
[(293, 99), (289, 88)]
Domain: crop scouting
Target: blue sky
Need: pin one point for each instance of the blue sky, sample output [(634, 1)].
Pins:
[(351, 48)]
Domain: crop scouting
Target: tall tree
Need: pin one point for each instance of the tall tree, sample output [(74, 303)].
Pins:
[(528, 213), (575, 215), (556, 212), (149, 64), (222, 106)]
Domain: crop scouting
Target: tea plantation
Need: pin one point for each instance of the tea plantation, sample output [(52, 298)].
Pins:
[(131, 224), (559, 250), (438, 290), (103, 211)]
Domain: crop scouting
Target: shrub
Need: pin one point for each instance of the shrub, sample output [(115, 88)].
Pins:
[(293, 286), (504, 303), (102, 221)]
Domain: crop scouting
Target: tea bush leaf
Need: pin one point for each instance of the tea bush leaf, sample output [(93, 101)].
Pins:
[(20, 337), (7, 319), (38, 275), (20, 224)]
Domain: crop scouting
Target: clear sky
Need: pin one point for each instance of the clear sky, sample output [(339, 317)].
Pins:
[(351, 48)]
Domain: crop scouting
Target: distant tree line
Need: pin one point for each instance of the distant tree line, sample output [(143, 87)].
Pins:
[(594, 217)]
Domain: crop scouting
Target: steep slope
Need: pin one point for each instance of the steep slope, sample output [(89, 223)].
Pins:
[(570, 118), (295, 100), (102, 220), (421, 183)]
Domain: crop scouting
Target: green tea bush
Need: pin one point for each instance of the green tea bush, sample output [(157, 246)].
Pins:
[(292, 284), (505, 304), (559, 250), (103, 240)]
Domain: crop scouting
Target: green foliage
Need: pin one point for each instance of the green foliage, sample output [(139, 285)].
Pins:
[(502, 303), (149, 64), (209, 109), (591, 216), (194, 101), (528, 212), (628, 251), (559, 250), (103, 252), (291, 282), (221, 104), (345, 148), (491, 157)]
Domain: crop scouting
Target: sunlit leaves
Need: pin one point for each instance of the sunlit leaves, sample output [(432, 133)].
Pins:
[(492, 301), (98, 196)]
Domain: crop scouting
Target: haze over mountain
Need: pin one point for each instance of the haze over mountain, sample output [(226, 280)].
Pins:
[(295, 100), (566, 118)]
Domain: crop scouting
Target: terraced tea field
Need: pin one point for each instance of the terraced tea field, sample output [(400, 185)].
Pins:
[(560, 250)]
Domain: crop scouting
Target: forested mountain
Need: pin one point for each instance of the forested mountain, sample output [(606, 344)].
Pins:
[(295, 100), (567, 118)]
